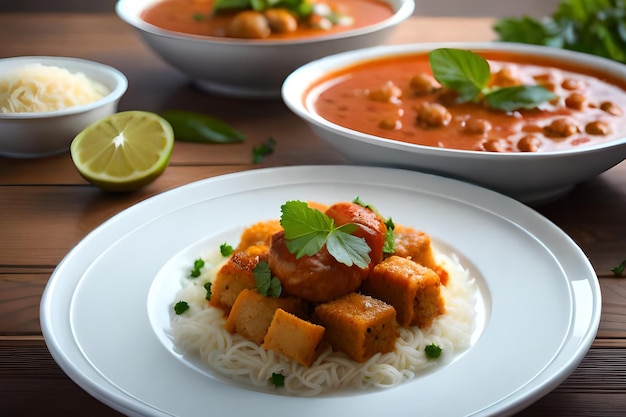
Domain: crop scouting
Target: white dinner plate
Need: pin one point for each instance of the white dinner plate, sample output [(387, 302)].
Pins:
[(539, 298)]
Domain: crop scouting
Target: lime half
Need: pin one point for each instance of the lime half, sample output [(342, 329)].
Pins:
[(124, 151)]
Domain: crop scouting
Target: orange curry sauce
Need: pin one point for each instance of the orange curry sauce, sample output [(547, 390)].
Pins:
[(345, 98), (194, 17)]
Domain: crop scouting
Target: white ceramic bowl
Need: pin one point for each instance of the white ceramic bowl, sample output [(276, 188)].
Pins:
[(250, 68), (531, 177), (40, 134)]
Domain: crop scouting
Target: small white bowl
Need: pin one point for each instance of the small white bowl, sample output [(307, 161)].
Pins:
[(250, 68), (41, 134), (531, 177)]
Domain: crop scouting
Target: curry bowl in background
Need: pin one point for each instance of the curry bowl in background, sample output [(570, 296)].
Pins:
[(383, 106), (247, 67), (46, 101)]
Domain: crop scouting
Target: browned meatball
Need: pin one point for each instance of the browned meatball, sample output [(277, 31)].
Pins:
[(317, 278), (371, 227)]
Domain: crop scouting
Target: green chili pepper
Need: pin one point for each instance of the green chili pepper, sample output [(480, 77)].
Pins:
[(196, 127)]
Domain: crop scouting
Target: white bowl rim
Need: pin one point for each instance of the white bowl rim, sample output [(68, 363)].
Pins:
[(298, 82), (119, 79), (403, 12)]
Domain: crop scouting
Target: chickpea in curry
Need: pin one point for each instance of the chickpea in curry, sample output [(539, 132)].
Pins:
[(398, 98), (260, 20)]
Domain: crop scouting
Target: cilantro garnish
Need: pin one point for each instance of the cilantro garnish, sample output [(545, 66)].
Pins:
[(432, 351), (226, 249), (300, 8), (266, 284), (278, 380), (263, 150), (180, 307), (207, 287), (307, 230), (198, 264), (619, 269), (468, 74), (390, 236)]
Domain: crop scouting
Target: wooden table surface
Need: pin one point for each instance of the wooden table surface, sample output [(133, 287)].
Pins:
[(46, 208)]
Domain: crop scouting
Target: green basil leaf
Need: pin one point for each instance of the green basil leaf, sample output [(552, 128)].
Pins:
[(463, 71), (197, 127), (518, 97), (230, 4)]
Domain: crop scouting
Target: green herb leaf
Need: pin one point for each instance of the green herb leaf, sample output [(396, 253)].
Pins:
[(266, 284), (198, 264), (347, 248), (300, 8), (226, 249), (207, 287), (619, 269), (460, 70), (592, 26), (278, 380), (180, 307), (518, 97), (432, 351), (307, 230), (390, 236), (200, 128), (468, 74), (261, 151)]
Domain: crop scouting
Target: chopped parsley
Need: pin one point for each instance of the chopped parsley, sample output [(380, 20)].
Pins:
[(180, 307), (207, 287), (198, 264), (266, 284), (263, 150), (619, 269), (226, 249), (278, 380), (432, 351), (390, 236), (307, 230)]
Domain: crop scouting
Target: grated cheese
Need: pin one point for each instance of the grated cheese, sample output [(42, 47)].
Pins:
[(43, 88)]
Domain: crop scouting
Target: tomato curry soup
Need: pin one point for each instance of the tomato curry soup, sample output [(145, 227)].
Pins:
[(196, 17), (397, 98)]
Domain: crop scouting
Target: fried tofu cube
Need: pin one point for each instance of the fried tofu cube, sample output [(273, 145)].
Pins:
[(358, 325), (236, 275), (258, 234), (252, 313), (416, 245), (294, 337), (412, 289)]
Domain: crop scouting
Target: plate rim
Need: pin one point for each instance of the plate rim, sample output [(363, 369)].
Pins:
[(128, 405)]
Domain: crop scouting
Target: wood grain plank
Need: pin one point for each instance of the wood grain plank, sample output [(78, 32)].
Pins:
[(30, 376)]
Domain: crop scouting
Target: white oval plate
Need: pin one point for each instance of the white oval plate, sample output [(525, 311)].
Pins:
[(540, 296)]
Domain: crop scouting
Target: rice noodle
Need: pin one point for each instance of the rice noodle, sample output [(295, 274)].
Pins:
[(200, 331)]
